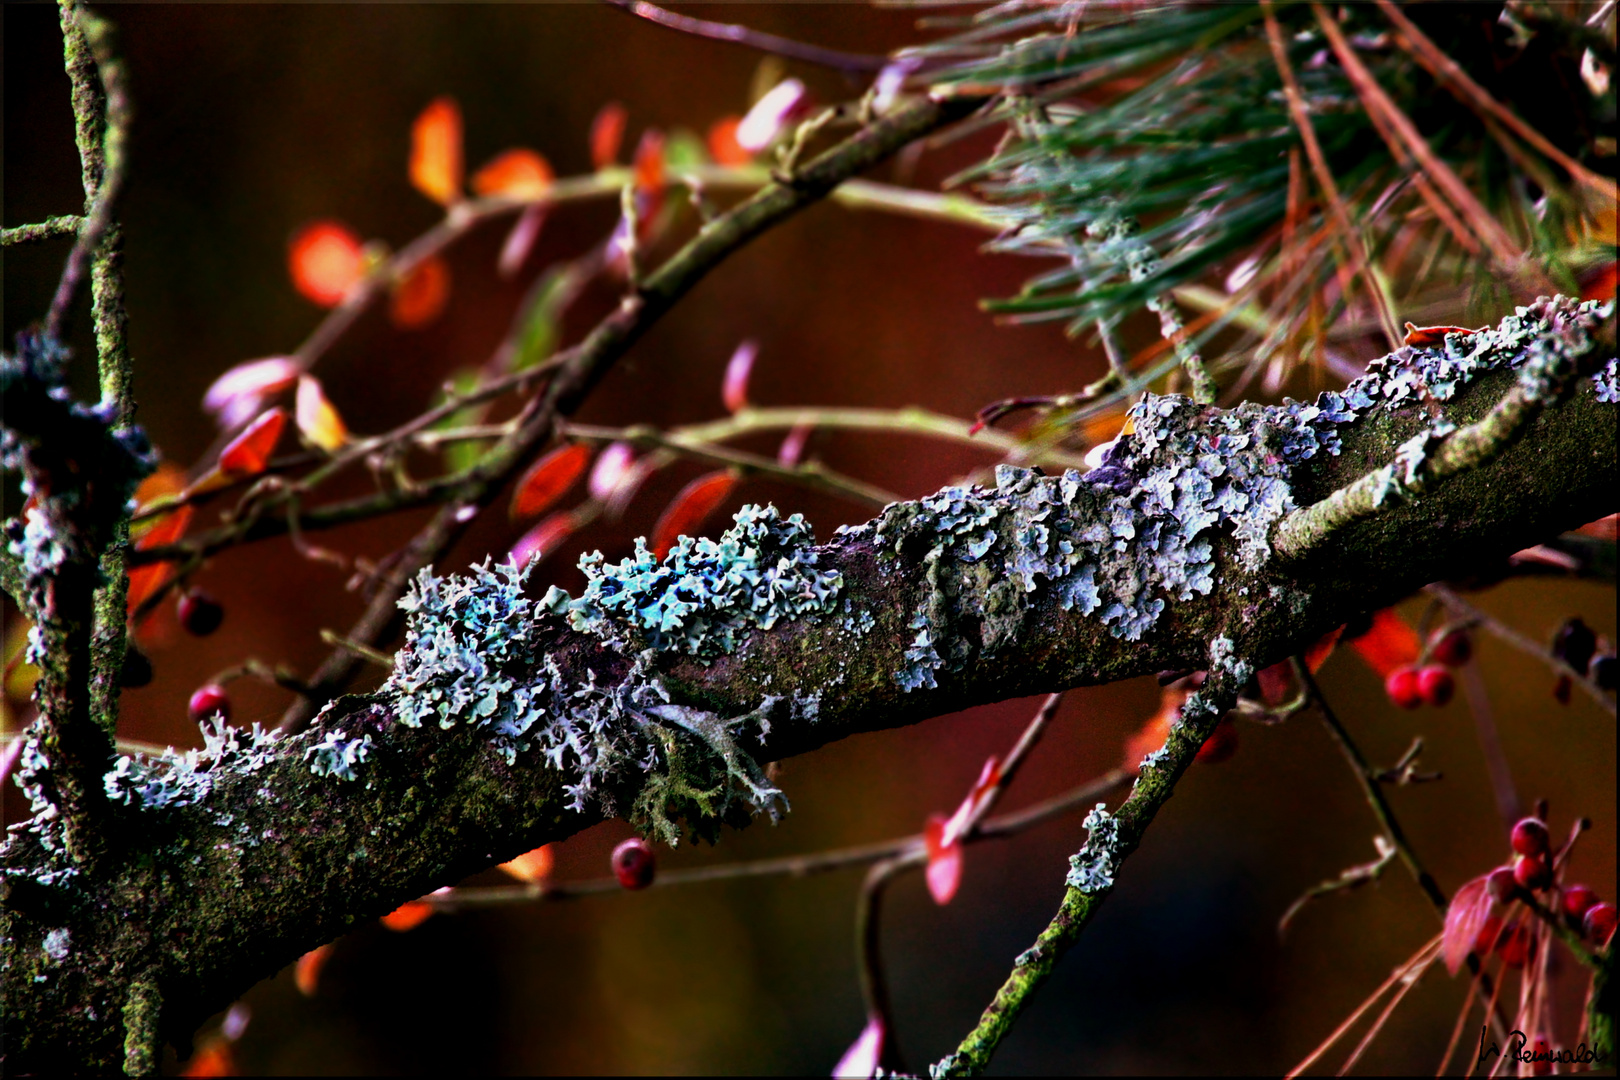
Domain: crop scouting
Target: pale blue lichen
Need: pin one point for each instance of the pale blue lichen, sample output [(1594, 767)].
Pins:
[(58, 943), (1092, 868), (1606, 383), (177, 778), (338, 755)]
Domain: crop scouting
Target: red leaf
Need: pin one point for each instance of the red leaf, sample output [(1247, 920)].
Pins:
[(1431, 336), (549, 480), (1276, 682), (1469, 909), (307, 974), (734, 390), (436, 165), (249, 453), (1152, 735), (145, 580), (944, 860), (861, 1059), (326, 262), (651, 179), (695, 502), (408, 916), (518, 174), (421, 295), (1600, 284), (1389, 645), (607, 131), (723, 145), (1321, 649), (215, 1059), (240, 392), (543, 539)]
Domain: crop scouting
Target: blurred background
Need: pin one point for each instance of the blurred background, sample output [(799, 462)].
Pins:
[(252, 121)]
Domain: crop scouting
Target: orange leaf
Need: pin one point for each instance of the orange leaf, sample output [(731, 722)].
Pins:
[(1389, 644), (534, 866), (695, 502), (436, 151), (145, 580), (519, 174), (723, 145), (649, 164), (549, 480), (249, 453), (307, 974), (543, 539), (168, 481), (326, 262), (1469, 909), (408, 916), (1321, 649), (734, 390), (1432, 336), (215, 1059), (607, 131), (421, 296), (1599, 284), (944, 871), (318, 421), (1156, 730)]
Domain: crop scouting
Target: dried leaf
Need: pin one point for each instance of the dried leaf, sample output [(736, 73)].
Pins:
[(519, 174), (240, 392), (549, 480), (307, 973), (1469, 909), (734, 390), (607, 131), (1389, 644), (944, 871), (249, 453), (534, 866), (690, 507), (436, 166), (770, 114), (326, 262), (421, 296), (543, 539), (861, 1059), (318, 420), (723, 144)]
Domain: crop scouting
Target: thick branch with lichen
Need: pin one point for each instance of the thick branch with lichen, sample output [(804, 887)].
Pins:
[(511, 721)]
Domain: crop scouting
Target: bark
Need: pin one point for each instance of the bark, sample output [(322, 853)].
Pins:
[(512, 722)]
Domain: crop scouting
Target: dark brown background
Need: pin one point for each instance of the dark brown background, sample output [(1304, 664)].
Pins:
[(252, 120)]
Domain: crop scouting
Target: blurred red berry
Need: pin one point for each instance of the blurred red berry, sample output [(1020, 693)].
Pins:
[(209, 699), (200, 614), (1517, 945), (1436, 685), (634, 863), (1531, 872), (1574, 644), (1503, 884), (1221, 744), (1529, 836), (1453, 650), (1486, 939), (1599, 923), (1578, 899), (1541, 1063), (1403, 689)]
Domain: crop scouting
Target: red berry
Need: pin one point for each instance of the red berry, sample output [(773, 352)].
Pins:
[(1402, 688), (209, 699), (1599, 923), (1436, 685), (1541, 1060), (1529, 836), (1221, 744), (1453, 650), (1488, 935), (1531, 872), (1503, 884), (634, 863), (1516, 945), (200, 614), (1578, 899)]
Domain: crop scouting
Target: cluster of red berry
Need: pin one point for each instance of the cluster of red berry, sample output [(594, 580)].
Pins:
[(1532, 872), (1430, 684), (1588, 654)]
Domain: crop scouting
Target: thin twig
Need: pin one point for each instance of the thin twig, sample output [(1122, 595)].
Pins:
[(757, 40), (51, 227)]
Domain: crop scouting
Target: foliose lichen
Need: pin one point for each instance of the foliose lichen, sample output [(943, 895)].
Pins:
[(337, 754), (185, 778), (1127, 538), (1092, 868)]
